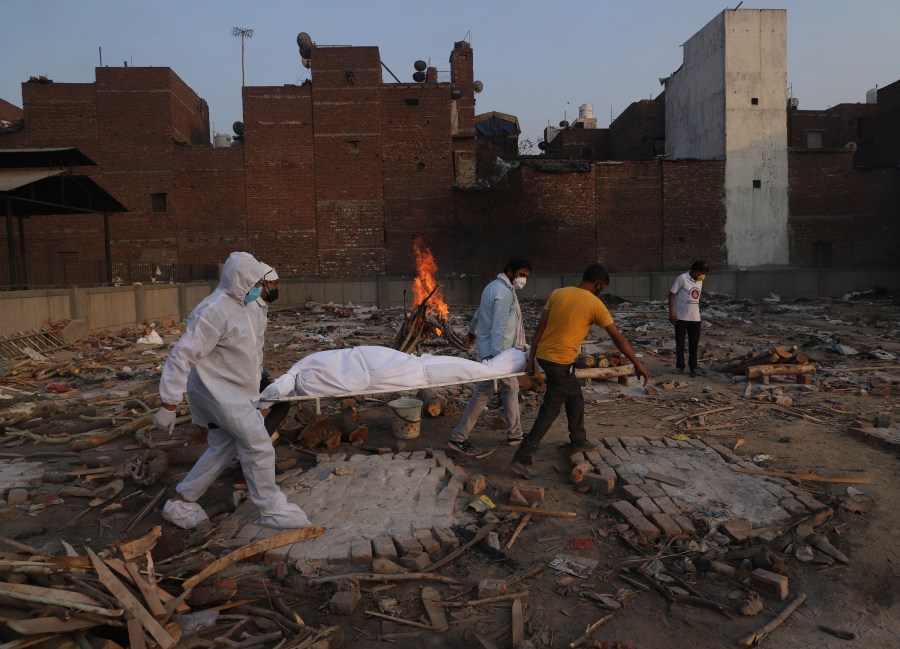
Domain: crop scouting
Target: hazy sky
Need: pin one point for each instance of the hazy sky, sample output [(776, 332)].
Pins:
[(537, 59)]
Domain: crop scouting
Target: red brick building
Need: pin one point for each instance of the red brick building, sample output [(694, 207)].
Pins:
[(336, 177)]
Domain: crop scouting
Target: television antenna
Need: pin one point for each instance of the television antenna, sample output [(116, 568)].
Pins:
[(243, 33)]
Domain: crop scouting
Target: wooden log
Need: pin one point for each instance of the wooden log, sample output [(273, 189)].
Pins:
[(486, 600), (605, 372), (93, 441), (780, 369), (351, 428), (321, 429), (256, 547), (754, 638), (56, 597), (586, 636), (436, 615), (540, 512), (482, 532), (276, 416), (435, 404), (186, 454), (799, 358), (585, 361), (26, 411), (602, 361)]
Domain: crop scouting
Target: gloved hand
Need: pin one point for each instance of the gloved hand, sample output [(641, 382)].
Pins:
[(165, 420)]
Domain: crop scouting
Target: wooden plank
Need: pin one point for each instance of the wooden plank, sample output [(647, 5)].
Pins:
[(50, 625), (435, 613), (605, 372), (136, 637), (518, 623), (148, 592), (256, 547), (56, 596), (130, 602), (780, 369), (661, 477), (553, 513), (801, 475)]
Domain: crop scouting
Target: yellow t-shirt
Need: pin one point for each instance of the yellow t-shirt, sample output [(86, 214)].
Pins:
[(572, 311)]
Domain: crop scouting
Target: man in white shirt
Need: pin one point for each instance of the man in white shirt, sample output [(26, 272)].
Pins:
[(684, 313)]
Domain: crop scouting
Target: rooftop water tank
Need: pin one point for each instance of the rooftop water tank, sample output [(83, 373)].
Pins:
[(872, 96), (221, 140)]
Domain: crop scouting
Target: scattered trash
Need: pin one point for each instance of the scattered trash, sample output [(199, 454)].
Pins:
[(576, 566), (843, 350), (853, 491), (481, 504), (152, 338)]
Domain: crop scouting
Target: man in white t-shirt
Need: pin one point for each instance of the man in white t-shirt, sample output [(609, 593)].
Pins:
[(684, 313)]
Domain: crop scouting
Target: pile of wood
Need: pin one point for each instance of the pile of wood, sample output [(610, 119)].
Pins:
[(123, 596), (604, 359), (426, 329), (772, 362), (439, 402)]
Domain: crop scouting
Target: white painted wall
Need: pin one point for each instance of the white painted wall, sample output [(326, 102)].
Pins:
[(756, 225), (695, 97), (738, 55)]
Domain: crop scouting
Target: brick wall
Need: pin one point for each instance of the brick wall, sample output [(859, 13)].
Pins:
[(580, 144), (639, 133), (888, 126), (10, 112)]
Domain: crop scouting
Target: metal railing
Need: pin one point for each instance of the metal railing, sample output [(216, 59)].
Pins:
[(62, 272)]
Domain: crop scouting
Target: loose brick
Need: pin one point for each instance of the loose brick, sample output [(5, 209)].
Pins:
[(667, 506), (769, 584), (407, 544), (429, 544), (445, 537), (603, 484), (625, 509), (17, 497), (643, 527), (383, 546), (647, 506), (685, 524), (652, 489), (668, 526), (361, 552), (475, 484), (632, 493), (344, 602), (415, 561), (577, 458), (382, 566), (793, 507)]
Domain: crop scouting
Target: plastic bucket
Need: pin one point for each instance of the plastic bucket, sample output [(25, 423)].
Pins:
[(407, 415)]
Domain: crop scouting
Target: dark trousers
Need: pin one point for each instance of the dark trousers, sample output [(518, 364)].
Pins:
[(693, 334), (562, 389)]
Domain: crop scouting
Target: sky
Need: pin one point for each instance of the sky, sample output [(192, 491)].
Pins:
[(537, 60)]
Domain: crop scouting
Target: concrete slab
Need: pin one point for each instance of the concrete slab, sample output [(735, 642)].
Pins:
[(376, 500)]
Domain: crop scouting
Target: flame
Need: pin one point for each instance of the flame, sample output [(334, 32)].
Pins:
[(426, 281)]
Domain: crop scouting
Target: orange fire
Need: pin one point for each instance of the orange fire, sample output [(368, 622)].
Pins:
[(426, 281)]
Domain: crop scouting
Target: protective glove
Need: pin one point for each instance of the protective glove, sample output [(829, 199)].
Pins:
[(165, 420)]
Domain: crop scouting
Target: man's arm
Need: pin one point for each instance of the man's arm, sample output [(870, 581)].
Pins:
[(626, 349), (672, 317), (531, 367)]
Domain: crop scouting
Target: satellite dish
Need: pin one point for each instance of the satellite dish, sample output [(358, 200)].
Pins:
[(478, 86), (304, 42), (851, 146), (542, 145), (564, 124), (455, 93), (418, 76), (305, 62), (420, 66), (238, 128)]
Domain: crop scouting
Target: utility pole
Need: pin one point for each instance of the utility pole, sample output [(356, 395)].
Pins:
[(243, 33)]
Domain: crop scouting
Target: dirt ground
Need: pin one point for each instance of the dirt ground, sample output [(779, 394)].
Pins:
[(862, 597)]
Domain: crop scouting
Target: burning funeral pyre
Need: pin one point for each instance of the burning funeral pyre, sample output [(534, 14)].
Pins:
[(428, 320)]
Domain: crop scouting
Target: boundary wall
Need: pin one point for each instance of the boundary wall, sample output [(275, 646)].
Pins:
[(114, 308)]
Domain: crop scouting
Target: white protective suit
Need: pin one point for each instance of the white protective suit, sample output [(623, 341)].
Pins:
[(371, 369), (217, 362)]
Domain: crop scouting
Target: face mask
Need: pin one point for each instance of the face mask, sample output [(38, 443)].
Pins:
[(253, 294), (519, 282), (702, 277), (271, 295), (598, 291)]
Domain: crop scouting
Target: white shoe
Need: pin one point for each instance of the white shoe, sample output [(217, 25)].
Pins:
[(184, 514), (287, 517)]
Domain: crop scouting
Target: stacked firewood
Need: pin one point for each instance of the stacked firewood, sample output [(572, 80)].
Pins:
[(774, 356), (605, 359), (423, 328), (312, 430)]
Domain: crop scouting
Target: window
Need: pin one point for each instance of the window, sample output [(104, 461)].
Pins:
[(814, 139), (158, 202), (587, 152), (757, 184), (353, 146), (754, 101)]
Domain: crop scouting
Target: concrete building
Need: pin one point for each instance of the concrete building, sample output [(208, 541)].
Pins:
[(727, 102)]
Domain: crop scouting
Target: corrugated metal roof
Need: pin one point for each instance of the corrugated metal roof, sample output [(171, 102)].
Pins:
[(14, 178), (44, 157)]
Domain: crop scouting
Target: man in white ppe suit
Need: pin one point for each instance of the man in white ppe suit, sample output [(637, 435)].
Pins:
[(217, 363)]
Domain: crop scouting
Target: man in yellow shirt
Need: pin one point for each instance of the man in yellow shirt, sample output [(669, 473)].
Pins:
[(566, 320)]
